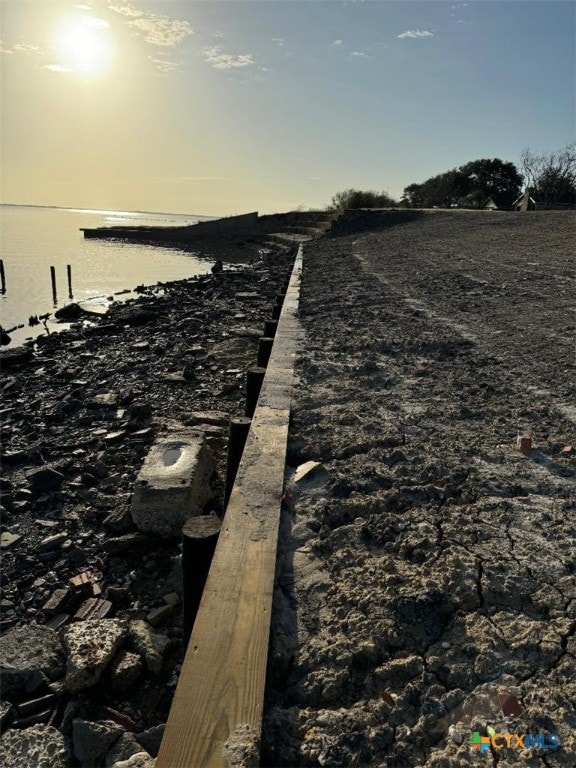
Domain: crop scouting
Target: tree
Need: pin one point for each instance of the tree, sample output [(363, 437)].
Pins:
[(356, 198), (551, 175), (492, 177), (467, 186), (413, 196)]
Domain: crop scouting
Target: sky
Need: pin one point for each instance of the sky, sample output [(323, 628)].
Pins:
[(218, 107)]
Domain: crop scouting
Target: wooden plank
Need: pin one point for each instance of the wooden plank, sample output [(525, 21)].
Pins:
[(219, 699)]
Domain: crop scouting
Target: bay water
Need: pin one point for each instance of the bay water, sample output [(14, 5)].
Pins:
[(32, 239)]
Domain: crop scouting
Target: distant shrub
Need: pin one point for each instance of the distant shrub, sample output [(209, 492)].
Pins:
[(356, 198)]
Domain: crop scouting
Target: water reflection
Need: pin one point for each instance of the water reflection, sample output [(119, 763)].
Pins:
[(38, 243)]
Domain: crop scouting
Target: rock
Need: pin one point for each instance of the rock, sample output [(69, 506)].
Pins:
[(7, 712), (133, 316), (29, 656), (149, 644), (10, 458), (16, 356), (139, 411), (189, 372), (52, 542), (125, 670), (91, 646), (127, 542), (173, 484), (7, 539), (151, 739), (216, 418), (159, 615), (45, 480), (104, 400), (71, 312), (124, 748), (92, 741), (41, 746), (139, 760)]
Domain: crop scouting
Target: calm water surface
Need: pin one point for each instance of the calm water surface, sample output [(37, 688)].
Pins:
[(34, 239)]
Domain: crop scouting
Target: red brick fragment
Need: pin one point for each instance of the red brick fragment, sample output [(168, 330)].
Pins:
[(82, 581), (525, 444), (56, 601), (93, 608)]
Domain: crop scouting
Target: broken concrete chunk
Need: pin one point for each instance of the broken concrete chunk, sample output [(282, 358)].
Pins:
[(139, 760), (29, 656), (149, 644), (41, 746), (124, 748), (152, 738), (91, 646), (173, 484), (125, 670), (93, 740)]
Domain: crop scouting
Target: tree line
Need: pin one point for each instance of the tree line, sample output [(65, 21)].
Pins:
[(550, 176)]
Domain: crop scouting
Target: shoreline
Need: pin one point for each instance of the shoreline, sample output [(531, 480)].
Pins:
[(79, 416)]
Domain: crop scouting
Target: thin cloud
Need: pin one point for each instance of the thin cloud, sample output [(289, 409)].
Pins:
[(415, 33), (337, 42), (26, 48), (278, 40), (163, 65), (125, 9), (214, 56), (57, 68), (359, 54), (155, 29), (159, 30)]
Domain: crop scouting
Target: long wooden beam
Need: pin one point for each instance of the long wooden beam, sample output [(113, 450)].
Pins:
[(216, 715)]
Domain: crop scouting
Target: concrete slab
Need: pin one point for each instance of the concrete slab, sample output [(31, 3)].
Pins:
[(173, 484)]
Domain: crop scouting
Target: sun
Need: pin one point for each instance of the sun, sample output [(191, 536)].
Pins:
[(84, 45)]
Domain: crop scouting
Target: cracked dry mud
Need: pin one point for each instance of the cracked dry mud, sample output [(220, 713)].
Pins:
[(429, 567)]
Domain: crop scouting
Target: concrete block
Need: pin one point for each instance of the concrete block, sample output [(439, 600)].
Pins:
[(173, 484)]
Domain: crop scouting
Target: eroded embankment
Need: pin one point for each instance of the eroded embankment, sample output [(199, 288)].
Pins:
[(428, 570)]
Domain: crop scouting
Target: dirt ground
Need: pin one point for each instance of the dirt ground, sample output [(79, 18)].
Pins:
[(427, 568)]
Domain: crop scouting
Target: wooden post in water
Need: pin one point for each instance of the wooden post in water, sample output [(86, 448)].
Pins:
[(199, 539), (69, 270), (238, 432), (2, 277), (53, 277)]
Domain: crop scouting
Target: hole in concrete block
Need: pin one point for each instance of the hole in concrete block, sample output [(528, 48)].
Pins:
[(171, 455)]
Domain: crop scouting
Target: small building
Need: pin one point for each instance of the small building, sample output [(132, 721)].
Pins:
[(498, 203)]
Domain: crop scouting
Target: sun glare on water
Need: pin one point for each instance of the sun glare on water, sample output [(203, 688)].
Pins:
[(84, 45)]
